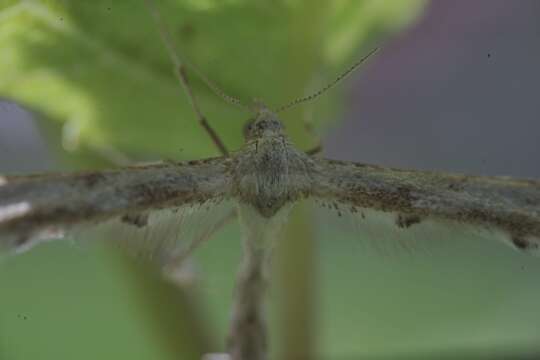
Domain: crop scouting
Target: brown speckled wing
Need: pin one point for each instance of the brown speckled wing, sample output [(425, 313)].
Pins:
[(37, 208), (407, 201)]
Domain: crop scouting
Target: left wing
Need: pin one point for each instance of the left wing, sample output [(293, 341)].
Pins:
[(39, 207), (410, 198)]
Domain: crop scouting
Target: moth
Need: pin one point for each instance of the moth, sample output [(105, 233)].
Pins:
[(260, 183)]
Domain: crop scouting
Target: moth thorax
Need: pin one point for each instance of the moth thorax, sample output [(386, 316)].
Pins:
[(271, 169)]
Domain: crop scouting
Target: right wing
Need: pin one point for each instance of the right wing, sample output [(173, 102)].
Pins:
[(39, 207), (416, 202)]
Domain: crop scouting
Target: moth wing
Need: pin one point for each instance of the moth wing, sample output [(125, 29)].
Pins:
[(403, 209), (34, 209), (388, 234), (168, 236)]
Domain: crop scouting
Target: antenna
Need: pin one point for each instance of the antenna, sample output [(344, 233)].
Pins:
[(179, 65), (327, 87)]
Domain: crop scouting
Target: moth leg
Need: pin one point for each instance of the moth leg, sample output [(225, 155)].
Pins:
[(180, 71), (182, 77)]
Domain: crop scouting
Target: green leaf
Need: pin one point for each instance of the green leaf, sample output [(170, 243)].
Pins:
[(99, 67)]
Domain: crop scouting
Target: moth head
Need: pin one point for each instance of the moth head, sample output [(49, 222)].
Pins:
[(265, 123)]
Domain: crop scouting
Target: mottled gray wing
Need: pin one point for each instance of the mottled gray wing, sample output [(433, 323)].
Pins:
[(40, 207), (409, 204)]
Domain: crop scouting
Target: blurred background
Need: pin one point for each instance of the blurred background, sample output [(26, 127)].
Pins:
[(453, 88)]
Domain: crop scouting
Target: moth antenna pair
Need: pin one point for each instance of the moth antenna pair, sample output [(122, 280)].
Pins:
[(180, 71)]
